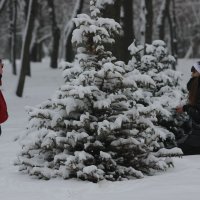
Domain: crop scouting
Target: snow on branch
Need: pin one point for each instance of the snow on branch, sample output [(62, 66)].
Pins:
[(70, 24), (101, 3)]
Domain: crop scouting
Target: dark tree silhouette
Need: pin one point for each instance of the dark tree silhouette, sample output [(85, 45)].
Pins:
[(12, 30), (55, 35), (149, 21), (25, 57), (128, 25)]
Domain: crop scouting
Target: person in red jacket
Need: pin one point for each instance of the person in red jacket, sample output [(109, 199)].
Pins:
[(3, 106)]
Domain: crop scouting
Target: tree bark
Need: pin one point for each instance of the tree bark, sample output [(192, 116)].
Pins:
[(26, 11), (172, 29), (161, 19), (149, 21), (56, 39), (195, 46), (25, 58), (171, 33), (174, 25), (142, 22), (128, 28), (55, 34), (12, 6), (10, 11), (168, 16), (113, 11), (36, 45)]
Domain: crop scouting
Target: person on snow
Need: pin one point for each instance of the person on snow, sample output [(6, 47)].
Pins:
[(3, 106), (191, 144)]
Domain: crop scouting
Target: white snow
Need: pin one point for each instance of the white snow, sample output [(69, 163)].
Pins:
[(178, 183), (101, 3)]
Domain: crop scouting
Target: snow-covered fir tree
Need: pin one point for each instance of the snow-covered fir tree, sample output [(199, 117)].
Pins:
[(93, 128), (155, 61)]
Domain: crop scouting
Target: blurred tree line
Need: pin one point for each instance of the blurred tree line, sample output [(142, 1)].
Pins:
[(33, 29)]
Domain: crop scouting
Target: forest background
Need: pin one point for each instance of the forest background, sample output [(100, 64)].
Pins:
[(32, 29)]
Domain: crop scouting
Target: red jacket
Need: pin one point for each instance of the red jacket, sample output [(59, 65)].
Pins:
[(3, 109)]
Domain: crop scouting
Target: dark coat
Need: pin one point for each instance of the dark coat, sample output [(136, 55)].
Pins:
[(192, 143)]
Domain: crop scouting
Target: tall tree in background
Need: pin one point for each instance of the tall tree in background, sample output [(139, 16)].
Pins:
[(12, 35), (69, 53), (142, 22), (26, 5), (149, 21), (161, 19), (169, 18), (188, 29), (25, 57), (146, 18), (10, 12), (165, 13), (55, 35), (113, 10), (36, 43), (28, 59), (128, 28), (174, 25)]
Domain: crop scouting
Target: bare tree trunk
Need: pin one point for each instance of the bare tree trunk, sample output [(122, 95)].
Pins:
[(54, 56), (149, 21), (171, 33), (168, 15), (143, 22), (172, 29), (195, 46), (25, 58), (13, 24), (174, 25), (56, 35), (161, 19), (128, 28), (36, 44), (10, 11), (113, 11), (26, 12), (69, 53), (26, 6)]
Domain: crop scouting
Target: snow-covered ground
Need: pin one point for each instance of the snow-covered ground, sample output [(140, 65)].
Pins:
[(181, 182)]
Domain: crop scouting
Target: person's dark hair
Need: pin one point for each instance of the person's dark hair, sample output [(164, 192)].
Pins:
[(193, 69), (193, 88)]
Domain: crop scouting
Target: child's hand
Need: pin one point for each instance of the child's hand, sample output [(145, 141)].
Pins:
[(179, 109)]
